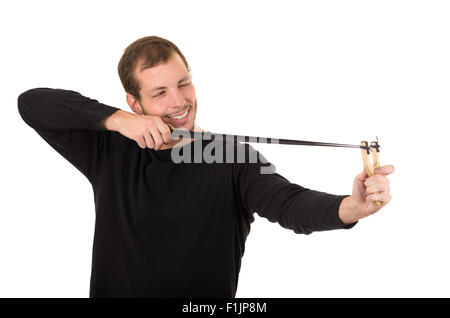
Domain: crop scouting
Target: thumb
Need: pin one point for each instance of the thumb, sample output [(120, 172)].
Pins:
[(362, 176), (384, 170)]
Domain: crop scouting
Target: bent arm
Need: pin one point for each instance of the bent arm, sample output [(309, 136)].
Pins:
[(49, 109), (70, 123)]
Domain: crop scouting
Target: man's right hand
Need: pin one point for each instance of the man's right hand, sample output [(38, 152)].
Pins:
[(147, 131)]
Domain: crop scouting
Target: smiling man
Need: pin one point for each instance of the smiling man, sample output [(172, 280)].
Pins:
[(159, 87), (174, 230)]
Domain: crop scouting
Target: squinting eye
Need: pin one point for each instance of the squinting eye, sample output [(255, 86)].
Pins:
[(185, 85), (159, 94)]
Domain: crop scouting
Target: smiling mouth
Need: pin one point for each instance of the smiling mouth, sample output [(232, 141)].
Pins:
[(182, 115)]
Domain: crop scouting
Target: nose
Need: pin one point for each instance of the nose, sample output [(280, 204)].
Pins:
[(176, 98)]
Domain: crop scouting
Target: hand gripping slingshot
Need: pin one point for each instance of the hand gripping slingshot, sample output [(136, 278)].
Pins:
[(369, 166)]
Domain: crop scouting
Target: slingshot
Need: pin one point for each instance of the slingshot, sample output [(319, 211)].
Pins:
[(369, 166)]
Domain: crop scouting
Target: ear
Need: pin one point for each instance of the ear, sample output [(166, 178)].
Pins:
[(134, 104)]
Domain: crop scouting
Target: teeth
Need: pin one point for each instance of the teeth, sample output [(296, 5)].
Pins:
[(180, 116)]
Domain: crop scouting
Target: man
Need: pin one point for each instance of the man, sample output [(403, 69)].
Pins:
[(165, 229)]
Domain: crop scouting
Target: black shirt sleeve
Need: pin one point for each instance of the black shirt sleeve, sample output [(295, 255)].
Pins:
[(70, 123), (294, 207)]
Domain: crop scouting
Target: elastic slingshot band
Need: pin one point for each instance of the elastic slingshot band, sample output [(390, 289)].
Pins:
[(209, 135)]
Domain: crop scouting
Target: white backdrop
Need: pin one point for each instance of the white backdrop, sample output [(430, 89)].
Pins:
[(336, 71)]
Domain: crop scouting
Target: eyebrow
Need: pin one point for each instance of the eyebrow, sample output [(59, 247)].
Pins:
[(163, 87)]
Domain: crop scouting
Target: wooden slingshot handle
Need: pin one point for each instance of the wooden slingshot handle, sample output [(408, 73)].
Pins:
[(368, 166)]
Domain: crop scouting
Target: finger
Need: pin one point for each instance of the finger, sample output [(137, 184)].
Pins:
[(379, 187), (165, 132), (384, 170), (156, 137), (380, 197), (141, 142), (373, 180), (149, 140)]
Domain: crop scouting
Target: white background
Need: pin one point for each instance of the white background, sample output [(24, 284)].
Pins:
[(336, 71)]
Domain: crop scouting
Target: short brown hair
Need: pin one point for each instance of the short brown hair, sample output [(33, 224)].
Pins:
[(154, 51)]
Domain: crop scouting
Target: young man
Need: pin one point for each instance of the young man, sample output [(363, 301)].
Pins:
[(165, 229)]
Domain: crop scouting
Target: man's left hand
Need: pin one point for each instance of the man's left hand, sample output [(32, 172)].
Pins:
[(366, 191)]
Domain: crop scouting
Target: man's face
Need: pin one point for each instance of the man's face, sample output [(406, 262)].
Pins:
[(167, 91)]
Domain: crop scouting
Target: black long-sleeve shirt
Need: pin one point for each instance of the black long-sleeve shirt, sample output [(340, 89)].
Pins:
[(164, 229)]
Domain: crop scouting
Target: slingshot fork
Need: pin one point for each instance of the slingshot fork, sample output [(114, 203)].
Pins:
[(368, 166)]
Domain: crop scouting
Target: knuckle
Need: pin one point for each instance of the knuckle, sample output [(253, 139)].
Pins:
[(165, 128), (380, 179)]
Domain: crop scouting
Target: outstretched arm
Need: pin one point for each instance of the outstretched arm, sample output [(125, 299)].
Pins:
[(294, 207)]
